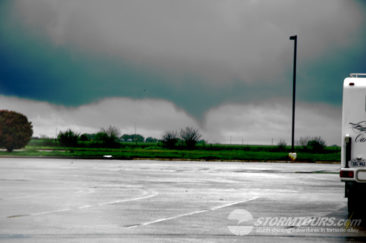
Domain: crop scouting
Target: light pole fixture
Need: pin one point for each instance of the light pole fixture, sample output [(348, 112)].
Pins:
[(294, 38)]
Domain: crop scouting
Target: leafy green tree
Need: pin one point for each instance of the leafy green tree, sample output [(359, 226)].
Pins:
[(151, 140), (190, 136), (68, 138), (84, 137), (126, 138), (132, 138), (138, 138), (15, 130)]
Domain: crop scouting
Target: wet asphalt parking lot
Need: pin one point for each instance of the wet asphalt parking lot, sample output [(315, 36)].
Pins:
[(65, 200)]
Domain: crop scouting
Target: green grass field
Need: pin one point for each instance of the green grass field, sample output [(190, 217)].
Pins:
[(50, 148)]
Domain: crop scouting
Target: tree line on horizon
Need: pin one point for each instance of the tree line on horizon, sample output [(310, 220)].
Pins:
[(16, 131), (187, 137)]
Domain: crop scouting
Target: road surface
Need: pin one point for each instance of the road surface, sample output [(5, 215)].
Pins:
[(64, 200)]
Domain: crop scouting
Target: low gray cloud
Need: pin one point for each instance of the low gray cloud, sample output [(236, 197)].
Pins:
[(269, 122), (257, 123), (149, 117)]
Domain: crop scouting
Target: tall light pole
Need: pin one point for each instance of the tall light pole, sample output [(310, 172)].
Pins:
[(294, 38)]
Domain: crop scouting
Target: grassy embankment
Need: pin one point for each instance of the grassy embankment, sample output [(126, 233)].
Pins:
[(50, 148)]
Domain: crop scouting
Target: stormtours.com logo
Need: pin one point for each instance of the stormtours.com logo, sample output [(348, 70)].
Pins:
[(245, 224)]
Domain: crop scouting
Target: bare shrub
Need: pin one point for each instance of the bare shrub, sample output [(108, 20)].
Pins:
[(170, 139), (190, 136)]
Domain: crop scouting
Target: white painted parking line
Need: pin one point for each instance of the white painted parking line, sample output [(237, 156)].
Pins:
[(190, 213), (145, 195), (50, 212), (85, 206), (173, 217), (232, 204)]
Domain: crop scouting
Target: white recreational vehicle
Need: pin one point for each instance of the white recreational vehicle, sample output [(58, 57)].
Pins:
[(353, 161)]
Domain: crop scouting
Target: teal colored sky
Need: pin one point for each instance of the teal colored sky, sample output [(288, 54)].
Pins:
[(76, 68)]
